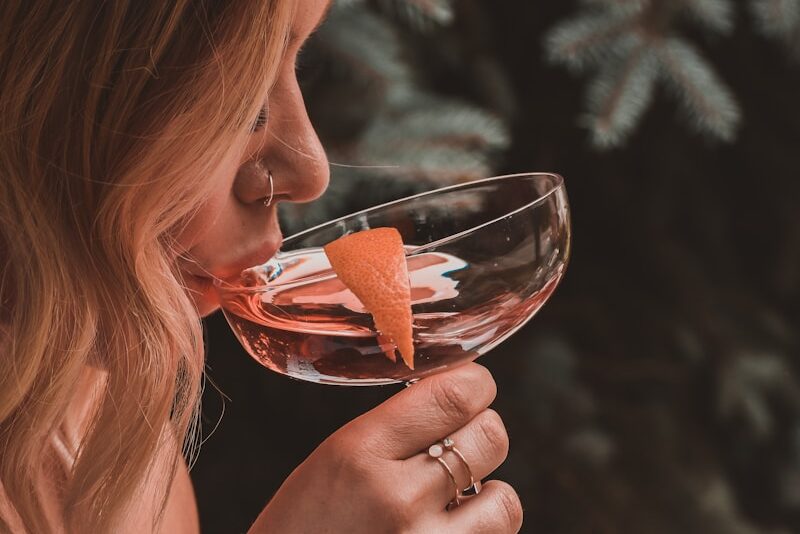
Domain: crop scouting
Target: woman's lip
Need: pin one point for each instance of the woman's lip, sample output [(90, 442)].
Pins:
[(250, 260), (232, 258), (231, 271)]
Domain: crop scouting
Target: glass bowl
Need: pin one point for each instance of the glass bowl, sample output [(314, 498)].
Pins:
[(483, 258)]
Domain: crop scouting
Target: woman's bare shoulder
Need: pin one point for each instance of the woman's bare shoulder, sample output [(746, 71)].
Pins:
[(180, 515)]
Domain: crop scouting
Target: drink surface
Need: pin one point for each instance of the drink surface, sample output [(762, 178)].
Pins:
[(306, 324)]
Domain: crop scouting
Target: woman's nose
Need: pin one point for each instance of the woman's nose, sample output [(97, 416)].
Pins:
[(292, 151)]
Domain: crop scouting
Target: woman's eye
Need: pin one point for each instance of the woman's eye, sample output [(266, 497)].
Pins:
[(261, 120)]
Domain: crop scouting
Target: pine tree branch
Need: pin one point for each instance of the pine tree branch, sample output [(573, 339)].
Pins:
[(602, 38), (629, 6), (437, 141), (776, 18), (779, 19), (584, 42), (619, 96), (709, 104), (717, 15), (749, 382), (344, 37), (422, 15)]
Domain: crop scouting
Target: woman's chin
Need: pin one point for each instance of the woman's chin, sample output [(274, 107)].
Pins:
[(206, 302), (207, 308), (201, 291)]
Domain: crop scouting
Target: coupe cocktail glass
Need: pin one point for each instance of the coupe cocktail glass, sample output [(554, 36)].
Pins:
[(483, 258)]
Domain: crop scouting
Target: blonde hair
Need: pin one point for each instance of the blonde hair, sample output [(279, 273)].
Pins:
[(111, 115)]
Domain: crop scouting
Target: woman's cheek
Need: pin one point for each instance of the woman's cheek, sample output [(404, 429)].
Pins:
[(202, 222), (206, 216), (195, 233)]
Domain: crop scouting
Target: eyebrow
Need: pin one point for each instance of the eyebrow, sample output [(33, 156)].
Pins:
[(293, 37)]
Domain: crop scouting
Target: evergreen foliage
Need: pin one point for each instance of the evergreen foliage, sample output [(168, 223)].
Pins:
[(779, 19), (400, 137), (628, 47)]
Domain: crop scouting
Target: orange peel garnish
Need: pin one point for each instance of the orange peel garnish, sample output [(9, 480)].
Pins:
[(372, 264)]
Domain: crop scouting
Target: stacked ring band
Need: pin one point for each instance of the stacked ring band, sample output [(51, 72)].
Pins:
[(473, 488), (436, 451)]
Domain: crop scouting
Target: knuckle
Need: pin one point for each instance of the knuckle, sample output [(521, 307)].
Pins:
[(355, 439), (340, 462), (334, 445), (349, 468), (509, 506), (453, 399), (493, 435), (341, 452), (487, 381), (341, 444)]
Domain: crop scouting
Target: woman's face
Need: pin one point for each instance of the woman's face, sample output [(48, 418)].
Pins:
[(234, 229)]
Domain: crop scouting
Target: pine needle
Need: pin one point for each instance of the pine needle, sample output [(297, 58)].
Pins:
[(631, 45), (438, 141), (584, 42), (344, 36), (716, 15), (779, 19), (422, 15), (629, 6), (619, 96), (776, 18), (708, 102)]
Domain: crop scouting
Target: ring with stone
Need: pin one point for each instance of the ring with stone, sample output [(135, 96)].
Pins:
[(474, 487), (436, 451)]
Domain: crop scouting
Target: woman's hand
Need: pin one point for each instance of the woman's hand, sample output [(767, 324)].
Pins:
[(374, 474)]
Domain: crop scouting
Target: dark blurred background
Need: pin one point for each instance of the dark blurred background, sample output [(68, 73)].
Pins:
[(658, 390)]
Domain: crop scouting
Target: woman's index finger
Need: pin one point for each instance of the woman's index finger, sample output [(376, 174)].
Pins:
[(426, 412)]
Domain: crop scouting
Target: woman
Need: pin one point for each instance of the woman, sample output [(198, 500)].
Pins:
[(144, 147)]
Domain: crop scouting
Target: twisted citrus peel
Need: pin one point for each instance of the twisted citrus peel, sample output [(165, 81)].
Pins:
[(372, 264)]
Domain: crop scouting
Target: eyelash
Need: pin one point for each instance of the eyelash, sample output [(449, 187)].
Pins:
[(261, 120), (263, 114)]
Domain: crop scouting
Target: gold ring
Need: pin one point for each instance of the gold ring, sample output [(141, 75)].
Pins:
[(435, 451), (473, 488), (268, 200)]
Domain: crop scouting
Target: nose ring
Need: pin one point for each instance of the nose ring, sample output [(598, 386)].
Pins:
[(268, 200)]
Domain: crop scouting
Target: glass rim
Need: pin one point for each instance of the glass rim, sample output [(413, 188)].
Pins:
[(558, 185)]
